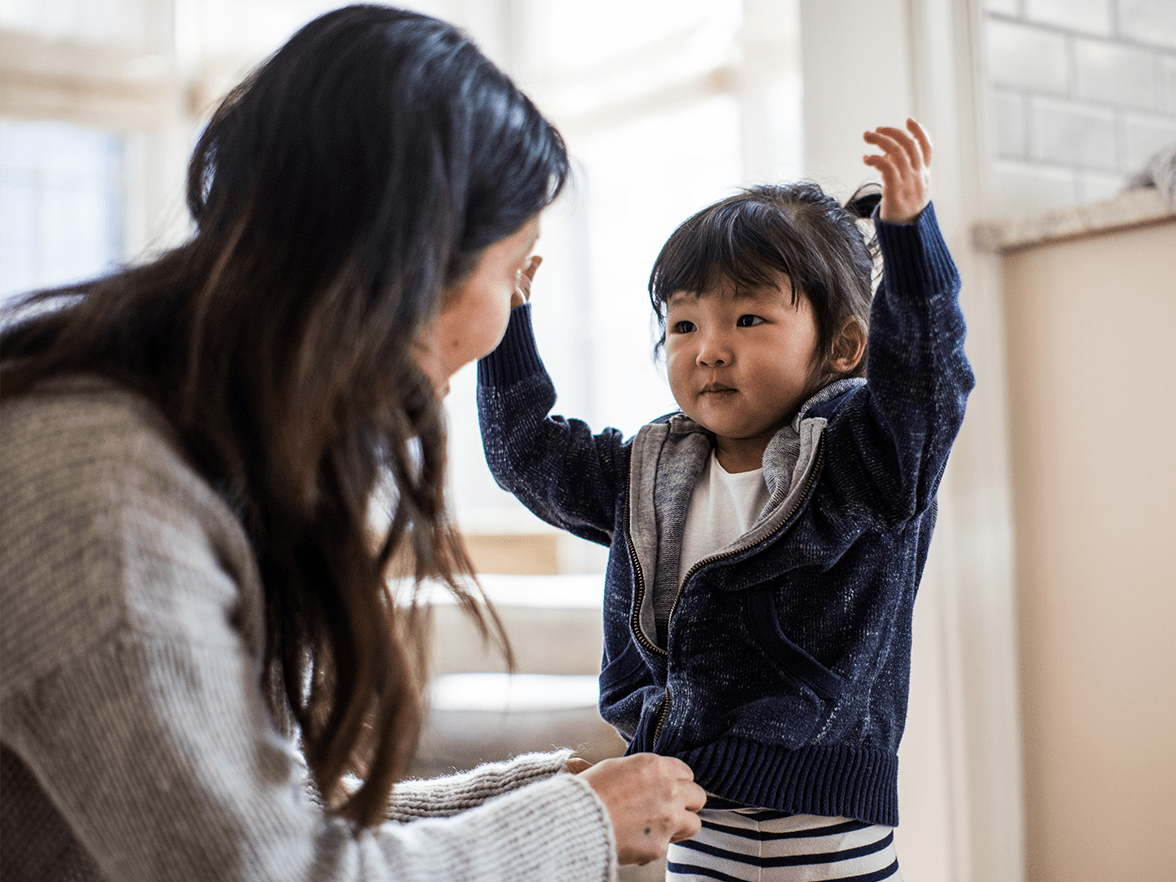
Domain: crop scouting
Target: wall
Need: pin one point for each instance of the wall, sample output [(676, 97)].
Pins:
[(1082, 92), (866, 63), (1077, 95), (1095, 506)]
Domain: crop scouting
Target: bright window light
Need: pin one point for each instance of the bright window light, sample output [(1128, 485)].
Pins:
[(61, 204)]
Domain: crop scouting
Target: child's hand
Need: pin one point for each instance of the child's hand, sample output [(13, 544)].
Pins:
[(905, 169), (522, 291)]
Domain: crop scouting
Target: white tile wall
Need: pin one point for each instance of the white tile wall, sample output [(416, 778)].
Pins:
[(1023, 188), (1073, 134), (1082, 93), (1008, 111), (1088, 16), (1093, 186), (1114, 74), (1026, 57), (1149, 21), (1142, 137), (1168, 85)]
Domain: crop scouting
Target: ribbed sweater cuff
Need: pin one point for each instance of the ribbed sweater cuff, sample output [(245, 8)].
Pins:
[(915, 257), (444, 796), (517, 356)]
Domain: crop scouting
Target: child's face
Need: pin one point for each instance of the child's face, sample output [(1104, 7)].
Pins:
[(741, 364)]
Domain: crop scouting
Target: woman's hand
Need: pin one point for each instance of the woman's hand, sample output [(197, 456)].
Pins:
[(523, 280), (652, 801), (576, 765), (905, 168)]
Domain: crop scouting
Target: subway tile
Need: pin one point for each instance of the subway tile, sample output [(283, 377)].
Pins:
[(1087, 16), (1143, 135), (1022, 188), (1123, 76), (1070, 133), (1149, 21), (1094, 186), (1008, 120), (1168, 85), (1026, 57)]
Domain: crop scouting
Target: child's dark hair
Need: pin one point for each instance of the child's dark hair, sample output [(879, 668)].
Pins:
[(749, 239)]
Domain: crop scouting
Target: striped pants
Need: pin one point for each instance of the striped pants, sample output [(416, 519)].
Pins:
[(756, 845)]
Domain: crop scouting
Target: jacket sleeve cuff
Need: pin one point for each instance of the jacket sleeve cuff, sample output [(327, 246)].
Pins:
[(517, 355)]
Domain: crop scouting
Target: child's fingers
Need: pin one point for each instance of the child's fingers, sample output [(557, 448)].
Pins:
[(923, 138), (884, 167), (897, 141), (903, 166), (892, 163), (523, 280)]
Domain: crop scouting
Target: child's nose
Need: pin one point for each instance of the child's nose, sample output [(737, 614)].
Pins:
[(714, 350)]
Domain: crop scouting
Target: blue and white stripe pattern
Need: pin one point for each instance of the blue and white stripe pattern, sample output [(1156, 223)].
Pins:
[(757, 845)]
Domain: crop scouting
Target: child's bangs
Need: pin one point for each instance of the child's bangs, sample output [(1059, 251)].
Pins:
[(722, 252)]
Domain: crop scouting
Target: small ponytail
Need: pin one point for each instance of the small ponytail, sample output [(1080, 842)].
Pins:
[(861, 206), (864, 200)]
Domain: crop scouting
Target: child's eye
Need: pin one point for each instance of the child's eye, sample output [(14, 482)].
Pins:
[(682, 327), (749, 321)]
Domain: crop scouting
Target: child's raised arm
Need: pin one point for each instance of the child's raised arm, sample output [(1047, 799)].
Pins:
[(905, 168)]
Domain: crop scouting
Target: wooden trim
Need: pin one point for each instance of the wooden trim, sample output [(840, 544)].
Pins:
[(46, 79)]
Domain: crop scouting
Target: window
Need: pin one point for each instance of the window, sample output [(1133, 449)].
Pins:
[(656, 101), (61, 203)]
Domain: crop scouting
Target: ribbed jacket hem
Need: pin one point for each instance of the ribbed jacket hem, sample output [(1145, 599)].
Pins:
[(516, 357), (851, 782)]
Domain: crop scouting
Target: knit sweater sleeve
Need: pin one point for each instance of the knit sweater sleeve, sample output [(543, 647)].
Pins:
[(131, 647), (892, 442), (441, 797), (557, 467)]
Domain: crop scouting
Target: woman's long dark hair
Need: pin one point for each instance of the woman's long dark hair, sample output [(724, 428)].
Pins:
[(337, 192)]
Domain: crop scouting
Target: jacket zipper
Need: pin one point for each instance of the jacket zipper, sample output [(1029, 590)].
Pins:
[(800, 497), (639, 597), (635, 620)]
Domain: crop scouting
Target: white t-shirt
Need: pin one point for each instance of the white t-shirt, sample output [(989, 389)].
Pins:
[(722, 508)]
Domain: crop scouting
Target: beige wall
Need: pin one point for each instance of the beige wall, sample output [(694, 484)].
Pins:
[(1093, 424)]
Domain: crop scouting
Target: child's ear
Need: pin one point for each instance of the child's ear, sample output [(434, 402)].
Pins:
[(848, 347)]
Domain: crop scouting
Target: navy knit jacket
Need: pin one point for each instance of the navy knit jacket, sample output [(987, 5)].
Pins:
[(784, 677)]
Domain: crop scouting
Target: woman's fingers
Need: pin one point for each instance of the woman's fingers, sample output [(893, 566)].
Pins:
[(651, 800), (576, 765)]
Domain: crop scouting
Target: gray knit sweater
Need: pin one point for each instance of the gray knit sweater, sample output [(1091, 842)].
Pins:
[(136, 741)]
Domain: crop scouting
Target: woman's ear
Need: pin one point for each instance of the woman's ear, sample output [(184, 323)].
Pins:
[(848, 347)]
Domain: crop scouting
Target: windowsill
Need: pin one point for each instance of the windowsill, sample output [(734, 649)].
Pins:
[(1131, 209)]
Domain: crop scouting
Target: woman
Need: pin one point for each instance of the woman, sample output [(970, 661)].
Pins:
[(191, 586)]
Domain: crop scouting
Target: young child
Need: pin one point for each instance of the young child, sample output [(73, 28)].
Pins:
[(766, 542)]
